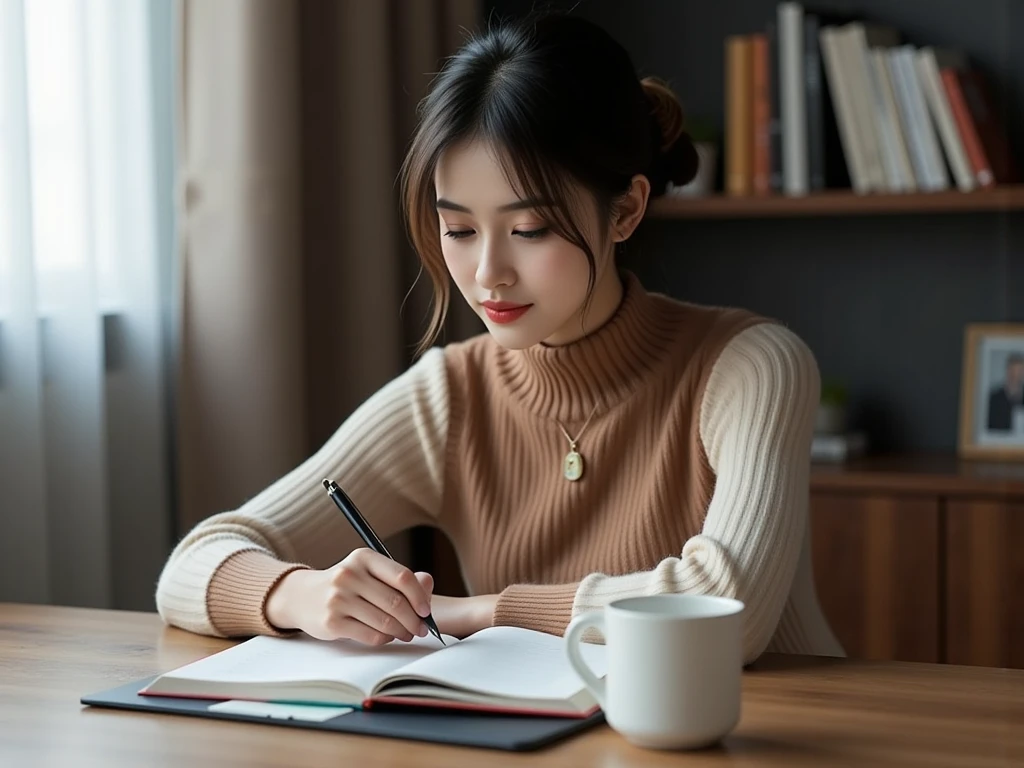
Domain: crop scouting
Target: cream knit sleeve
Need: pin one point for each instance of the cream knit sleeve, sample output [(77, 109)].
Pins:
[(388, 456), (756, 423)]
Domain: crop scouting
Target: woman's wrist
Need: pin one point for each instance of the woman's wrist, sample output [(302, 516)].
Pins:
[(485, 607), (281, 600)]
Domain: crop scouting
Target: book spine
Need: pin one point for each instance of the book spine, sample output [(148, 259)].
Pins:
[(815, 104), (904, 107), (853, 51), (738, 122), (761, 116), (968, 132), (895, 127), (886, 130), (839, 88), (790, 18), (924, 130), (775, 121), (935, 95)]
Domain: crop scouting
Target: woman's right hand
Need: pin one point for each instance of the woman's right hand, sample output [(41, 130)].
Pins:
[(367, 597)]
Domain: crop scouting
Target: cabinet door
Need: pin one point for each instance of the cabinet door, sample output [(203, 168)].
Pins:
[(876, 568), (985, 583)]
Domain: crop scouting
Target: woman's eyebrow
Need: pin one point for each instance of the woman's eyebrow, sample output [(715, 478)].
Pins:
[(518, 205)]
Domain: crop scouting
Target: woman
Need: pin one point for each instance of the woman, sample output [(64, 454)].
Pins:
[(598, 442)]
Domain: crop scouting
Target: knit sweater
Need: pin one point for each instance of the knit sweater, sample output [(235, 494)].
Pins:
[(695, 479)]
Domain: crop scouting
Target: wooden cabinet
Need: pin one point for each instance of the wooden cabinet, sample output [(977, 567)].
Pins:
[(984, 586), (922, 559), (876, 563)]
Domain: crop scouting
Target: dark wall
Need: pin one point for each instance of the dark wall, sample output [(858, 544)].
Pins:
[(882, 300)]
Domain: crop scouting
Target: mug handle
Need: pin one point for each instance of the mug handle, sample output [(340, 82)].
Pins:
[(572, 649)]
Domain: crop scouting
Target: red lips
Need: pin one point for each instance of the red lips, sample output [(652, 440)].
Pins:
[(503, 312)]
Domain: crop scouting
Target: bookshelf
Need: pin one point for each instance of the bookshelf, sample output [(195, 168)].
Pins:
[(838, 203)]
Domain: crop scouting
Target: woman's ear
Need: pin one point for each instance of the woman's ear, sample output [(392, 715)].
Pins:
[(630, 208)]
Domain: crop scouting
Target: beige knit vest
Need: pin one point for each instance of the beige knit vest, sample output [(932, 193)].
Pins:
[(646, 483)]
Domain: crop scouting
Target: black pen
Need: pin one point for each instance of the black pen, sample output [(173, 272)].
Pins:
[(348, 508)]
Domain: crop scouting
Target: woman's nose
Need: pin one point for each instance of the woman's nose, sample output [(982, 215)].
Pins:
[(493, 269)]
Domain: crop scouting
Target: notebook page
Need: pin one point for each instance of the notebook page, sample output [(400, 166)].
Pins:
[(509, 661), (302, 658)]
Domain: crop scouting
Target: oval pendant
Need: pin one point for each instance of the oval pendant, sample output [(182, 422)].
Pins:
[(572, 466)]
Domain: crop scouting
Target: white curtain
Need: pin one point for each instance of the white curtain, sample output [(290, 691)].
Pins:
[(84, 510)]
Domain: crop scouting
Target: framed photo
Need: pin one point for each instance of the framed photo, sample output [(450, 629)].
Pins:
[(992, 392)]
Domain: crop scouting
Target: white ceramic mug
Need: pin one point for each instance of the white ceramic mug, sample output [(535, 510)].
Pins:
[(675, 664)]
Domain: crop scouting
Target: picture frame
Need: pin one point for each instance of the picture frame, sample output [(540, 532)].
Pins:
[(992, 392)]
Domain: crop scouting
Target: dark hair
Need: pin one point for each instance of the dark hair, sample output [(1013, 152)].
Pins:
[(560, 100)]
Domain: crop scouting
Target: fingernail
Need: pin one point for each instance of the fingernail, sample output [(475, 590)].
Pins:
[(422, 632), (423, 610)]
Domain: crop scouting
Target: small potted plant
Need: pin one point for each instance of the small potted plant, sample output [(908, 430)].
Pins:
[(832, 405)]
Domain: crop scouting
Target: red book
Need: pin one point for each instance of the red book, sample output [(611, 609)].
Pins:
[(976, 156), (762, 114)]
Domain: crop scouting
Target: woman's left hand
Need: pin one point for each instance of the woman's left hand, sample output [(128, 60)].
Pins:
[(462, 616)]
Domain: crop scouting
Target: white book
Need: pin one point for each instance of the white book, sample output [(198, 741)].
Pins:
[(893, 146), (842, 102), (853, 53), (506, 669), (863, 40), (792, 99), (900, 130), (927, 62), (923, 129), (905, 108)]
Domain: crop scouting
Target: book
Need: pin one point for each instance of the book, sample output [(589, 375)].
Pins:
[(837, 77), (838, 448), (929, 61), (856, 39), (827, 164), (980, 166), (894, 127), (761, 114), (923, 142), (775, 120), (499, 669), (792, 97), (739, 125)]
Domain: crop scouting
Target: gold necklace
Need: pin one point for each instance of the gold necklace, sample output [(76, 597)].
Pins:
[(572, 464)]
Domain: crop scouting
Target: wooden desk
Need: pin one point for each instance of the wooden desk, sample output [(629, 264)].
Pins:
[(796, 711)]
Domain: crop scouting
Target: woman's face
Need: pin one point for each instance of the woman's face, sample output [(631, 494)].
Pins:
[(526, 283)]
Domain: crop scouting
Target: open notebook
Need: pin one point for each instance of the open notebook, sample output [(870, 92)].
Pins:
[(502, 669)]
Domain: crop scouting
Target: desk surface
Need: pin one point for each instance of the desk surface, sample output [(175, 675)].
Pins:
[(796, 711)]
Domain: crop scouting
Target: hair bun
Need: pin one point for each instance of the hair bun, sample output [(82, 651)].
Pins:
[(676, 160), (665, 109)]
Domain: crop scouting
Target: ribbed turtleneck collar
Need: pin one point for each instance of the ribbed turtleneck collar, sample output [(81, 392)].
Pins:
[(599, 370)]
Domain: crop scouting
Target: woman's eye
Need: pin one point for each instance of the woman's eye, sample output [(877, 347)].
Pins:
[(458, 234), (532, 234)]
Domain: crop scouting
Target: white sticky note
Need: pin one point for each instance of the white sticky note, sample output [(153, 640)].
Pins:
[(313, 714)]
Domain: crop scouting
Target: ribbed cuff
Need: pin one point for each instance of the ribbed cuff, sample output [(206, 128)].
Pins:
[(237, 596), (544, 607)]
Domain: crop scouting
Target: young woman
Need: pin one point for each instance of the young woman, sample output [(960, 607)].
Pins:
[(598, 442)]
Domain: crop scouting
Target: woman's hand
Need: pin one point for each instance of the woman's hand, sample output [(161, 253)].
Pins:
[(366, 597), (462, 616)]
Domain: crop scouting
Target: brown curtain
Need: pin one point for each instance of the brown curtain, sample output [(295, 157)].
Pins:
[(293, 117)]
